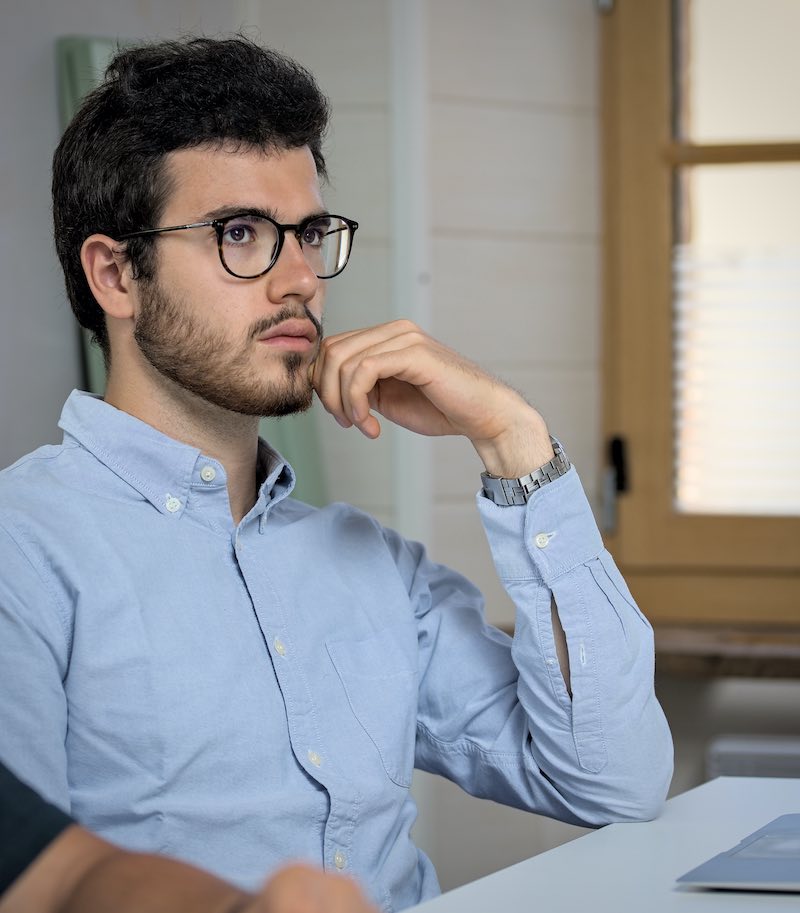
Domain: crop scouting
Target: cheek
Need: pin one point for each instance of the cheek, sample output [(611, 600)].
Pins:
[(317, 303)]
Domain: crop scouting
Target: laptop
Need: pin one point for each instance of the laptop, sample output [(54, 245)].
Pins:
[(766, 860)]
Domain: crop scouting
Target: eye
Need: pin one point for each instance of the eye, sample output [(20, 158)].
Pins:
[(314, 234), (240, 231)]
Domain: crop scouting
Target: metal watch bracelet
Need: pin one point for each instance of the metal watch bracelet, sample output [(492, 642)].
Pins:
[(515, 492)]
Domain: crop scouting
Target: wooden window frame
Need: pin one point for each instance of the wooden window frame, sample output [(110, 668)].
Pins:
[(683, 568)]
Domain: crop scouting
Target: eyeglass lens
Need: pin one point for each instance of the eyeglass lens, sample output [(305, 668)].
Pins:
[(249, 244)]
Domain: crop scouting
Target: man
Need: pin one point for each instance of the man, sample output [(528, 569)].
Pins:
[(195, 662), (50, 865)]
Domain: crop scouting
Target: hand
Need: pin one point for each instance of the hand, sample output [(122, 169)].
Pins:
[(305, 889), (82, 873), (398, 371)]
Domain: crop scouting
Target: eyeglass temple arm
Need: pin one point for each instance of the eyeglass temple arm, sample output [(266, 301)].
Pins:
[(155, 231)]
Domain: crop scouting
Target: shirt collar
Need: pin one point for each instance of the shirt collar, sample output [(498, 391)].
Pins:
[(160, 468)]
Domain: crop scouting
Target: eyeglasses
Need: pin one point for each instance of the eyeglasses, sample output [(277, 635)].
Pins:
[(249, 245)]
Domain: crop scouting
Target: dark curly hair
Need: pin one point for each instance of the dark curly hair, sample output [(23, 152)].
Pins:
[(109, 168)]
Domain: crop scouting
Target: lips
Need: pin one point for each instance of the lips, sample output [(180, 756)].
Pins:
[(289, 330)]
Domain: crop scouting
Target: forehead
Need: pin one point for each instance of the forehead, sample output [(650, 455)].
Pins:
[(205, 179)]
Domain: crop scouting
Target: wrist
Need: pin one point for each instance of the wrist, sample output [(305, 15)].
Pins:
[(523, 447)]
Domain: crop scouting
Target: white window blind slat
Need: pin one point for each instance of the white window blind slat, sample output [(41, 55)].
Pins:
[(736, 380)]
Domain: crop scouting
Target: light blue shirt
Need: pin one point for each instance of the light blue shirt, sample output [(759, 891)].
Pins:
[(242, 695)]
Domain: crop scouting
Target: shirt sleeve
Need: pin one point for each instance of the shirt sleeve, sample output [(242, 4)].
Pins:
[(495, 715), (34, 657), (28, 824)]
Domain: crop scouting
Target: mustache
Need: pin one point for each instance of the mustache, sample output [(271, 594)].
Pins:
[(284, 314)]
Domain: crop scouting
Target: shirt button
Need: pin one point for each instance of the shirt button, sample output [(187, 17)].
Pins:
[(315, 759), (208, 473), (173, 504), (339, 859), (280, 646), (542, 540)]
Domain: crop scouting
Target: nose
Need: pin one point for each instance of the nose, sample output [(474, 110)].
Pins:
[(292, 276)]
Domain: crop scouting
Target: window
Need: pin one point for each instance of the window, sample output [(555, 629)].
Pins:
[(701, 122)]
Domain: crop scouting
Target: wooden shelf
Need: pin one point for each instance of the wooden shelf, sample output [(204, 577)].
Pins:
[(742, 650)]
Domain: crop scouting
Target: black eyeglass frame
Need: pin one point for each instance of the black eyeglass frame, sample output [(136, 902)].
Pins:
[(219, 227)]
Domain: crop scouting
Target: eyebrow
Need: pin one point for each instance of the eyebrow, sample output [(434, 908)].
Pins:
[(225, 212)]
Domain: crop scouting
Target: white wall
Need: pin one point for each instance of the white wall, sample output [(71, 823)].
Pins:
[(515, 239), (507, 149), (516, 284), (514, 185), (39, 352), (511, 118)]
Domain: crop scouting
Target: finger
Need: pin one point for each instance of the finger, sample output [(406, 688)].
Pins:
[(338, 358), (301, 887), (392, 382), (316, 368), (317, 373), (360, 377)]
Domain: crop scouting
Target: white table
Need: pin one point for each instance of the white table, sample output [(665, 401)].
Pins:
[(631, 868)]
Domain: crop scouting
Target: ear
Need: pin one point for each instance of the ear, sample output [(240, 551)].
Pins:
[(109, 276)]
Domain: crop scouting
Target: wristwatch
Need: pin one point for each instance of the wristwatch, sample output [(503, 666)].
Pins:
[(510, 492)]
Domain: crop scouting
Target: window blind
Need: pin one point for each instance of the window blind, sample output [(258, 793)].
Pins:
[(736, 374)]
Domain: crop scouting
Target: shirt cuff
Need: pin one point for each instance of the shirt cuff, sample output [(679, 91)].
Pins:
[(551, 535)]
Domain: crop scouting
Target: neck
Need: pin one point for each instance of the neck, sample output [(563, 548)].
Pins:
[(228, 437)]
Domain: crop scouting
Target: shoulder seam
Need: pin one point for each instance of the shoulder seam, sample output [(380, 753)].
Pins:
[(63, 614)]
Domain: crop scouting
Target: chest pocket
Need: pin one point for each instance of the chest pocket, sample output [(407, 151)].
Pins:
[(379, 676)]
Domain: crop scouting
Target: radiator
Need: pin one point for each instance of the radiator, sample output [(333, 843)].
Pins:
[(753, 756)]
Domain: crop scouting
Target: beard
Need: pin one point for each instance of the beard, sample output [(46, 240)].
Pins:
[(208, 364)]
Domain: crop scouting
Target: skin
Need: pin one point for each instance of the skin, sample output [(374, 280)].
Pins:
[(80, 873), (392, 370), (226, 309)]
